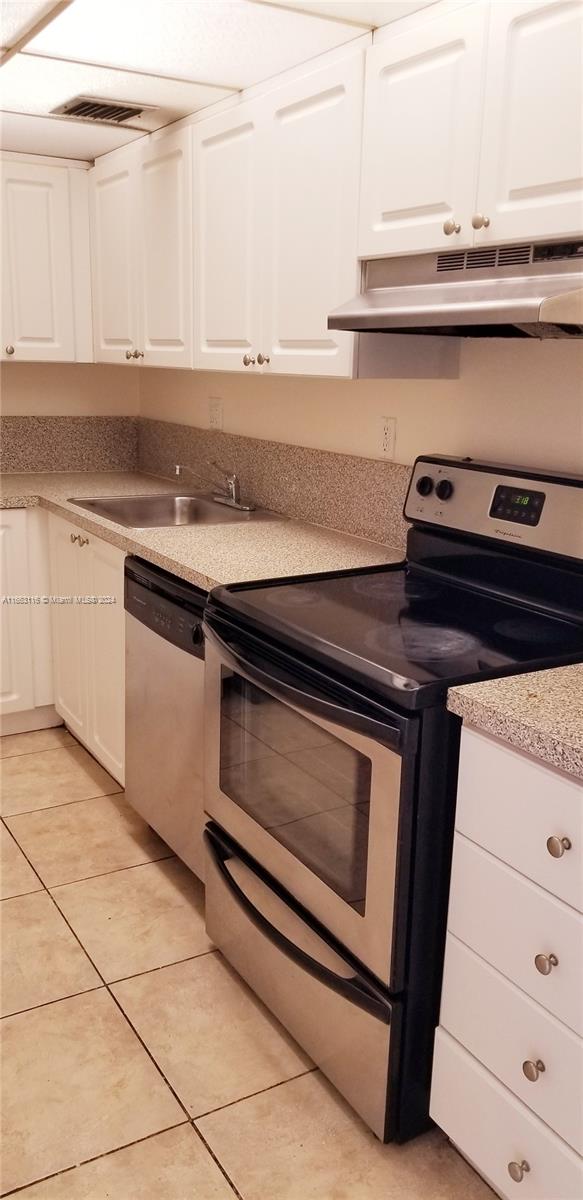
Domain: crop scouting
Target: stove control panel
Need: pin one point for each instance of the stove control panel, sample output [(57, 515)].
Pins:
[(535, 509)]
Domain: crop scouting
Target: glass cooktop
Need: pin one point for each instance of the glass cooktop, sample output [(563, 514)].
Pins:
[(412, 634)]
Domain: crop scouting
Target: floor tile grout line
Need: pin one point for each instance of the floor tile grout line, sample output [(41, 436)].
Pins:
[(98, 987), (47, 749), (94, 1158), (114, 871), (65, 804), (177, 962), (216, 1160), (251, 1095)]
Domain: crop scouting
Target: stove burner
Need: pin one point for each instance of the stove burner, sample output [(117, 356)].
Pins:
[(294, 596), (393, 584), (422, 643), (530, 630)]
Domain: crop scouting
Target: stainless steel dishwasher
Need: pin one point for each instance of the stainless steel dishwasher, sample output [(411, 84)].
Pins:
[(164, 706)]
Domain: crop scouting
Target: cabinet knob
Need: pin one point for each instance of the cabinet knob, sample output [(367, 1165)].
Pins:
[(451, 226), (544, 963), (138, 354), (75, 537), (517, 1170), (10, 349), (129, 354), (479, 221), (248, 360), (263, 358), (532, 1070), (83, 541), (556, 846)]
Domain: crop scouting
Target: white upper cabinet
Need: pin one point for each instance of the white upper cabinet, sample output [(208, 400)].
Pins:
[(308, 233), (422, 135), (276, 214), (228, 259), (531, 169), (165, 249), (113, 218), (37, 290), (141, 223)]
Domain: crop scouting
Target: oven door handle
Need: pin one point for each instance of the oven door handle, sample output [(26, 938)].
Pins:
[(355, 989), (311, 702)]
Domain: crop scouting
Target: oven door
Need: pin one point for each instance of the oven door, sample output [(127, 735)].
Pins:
[(315, 788)]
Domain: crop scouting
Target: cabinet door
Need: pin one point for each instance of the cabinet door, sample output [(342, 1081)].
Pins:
[(37, 302), (421, 135), (165, 250), (227, 250), (16, 665), (103, 581), (308, 218), (531, 168), (68, 625), (113, 251)]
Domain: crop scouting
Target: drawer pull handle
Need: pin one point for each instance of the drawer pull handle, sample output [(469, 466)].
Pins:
[(556, 846), (517, 1170), (532, 1069), (544, 963)]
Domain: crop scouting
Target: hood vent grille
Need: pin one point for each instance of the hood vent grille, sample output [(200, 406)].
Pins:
[(112, 112), (485, 258)]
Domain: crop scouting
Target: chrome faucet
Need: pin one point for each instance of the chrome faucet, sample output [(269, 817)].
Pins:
[(227, 493)]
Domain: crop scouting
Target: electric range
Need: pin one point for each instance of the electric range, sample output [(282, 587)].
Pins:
[(331, 762)]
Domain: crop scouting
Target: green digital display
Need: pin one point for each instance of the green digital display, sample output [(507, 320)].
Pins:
[(524, 508)]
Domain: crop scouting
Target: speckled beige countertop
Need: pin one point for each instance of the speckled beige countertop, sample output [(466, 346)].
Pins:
[(541, 713), (267, 546)]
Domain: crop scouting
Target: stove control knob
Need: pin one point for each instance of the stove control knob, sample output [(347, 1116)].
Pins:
[(425, 485), (444, 489)]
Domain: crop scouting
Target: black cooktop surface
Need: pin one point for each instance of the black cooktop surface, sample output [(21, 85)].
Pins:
[(412, 634)]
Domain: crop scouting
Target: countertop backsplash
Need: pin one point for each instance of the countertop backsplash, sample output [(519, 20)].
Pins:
[(362, 496), (66, 443), (356, 495)]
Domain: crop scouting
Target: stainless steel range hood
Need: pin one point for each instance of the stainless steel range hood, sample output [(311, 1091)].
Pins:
[(506, 291)]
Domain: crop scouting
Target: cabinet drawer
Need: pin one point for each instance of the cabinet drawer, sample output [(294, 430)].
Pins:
[(492, 1129), (512, 804), (508, 921), (503, 1028)]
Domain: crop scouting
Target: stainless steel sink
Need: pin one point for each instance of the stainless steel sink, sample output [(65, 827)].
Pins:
[(142, 512)]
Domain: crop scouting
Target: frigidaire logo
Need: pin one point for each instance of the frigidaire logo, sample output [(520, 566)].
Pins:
[(507, 533)]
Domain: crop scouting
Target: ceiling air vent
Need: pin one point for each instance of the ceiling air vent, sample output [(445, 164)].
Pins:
[(451, 262), (91, 108), (513, 256)]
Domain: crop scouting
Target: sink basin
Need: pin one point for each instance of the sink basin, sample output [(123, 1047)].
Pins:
[(142, 512)]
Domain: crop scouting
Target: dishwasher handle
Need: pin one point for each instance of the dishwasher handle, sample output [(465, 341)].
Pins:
[(356, 989)]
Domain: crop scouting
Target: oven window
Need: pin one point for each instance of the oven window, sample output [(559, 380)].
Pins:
[(310, 790)]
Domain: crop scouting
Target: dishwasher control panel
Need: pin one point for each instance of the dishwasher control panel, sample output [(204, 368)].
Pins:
[(175, 622)]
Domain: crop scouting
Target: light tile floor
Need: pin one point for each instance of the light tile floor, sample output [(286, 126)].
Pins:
[(122, 1023)]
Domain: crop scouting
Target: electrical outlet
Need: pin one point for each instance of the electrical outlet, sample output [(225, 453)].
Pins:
[(388, 436), (215, 412)]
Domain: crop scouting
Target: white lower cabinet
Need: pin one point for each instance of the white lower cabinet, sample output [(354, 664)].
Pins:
[(26, 684), (88, 640), (508, 1068)]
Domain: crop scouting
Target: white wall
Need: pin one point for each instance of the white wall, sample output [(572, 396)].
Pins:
[(515, 401), (68, 389)]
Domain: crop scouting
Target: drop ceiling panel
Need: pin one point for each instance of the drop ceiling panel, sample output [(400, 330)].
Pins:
[(232, 43), (62, 139), (370, 13), (38, 85), (17, 16)]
